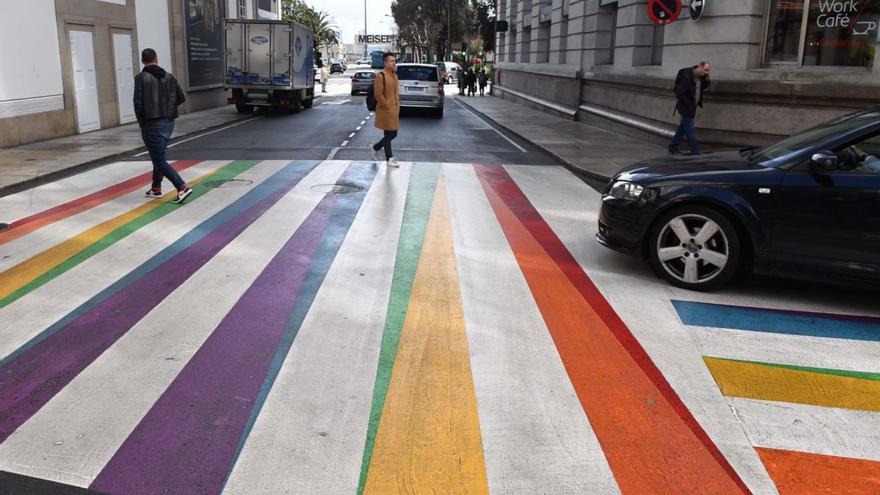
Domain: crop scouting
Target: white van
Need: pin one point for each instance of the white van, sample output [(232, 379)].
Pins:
[(420, 87), (449, 71)]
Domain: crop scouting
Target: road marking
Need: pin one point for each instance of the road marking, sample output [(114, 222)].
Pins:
[(332, 154), (351, 135), (339, 102), (803, 472), (490, 127), (208, 133), (358, 128), (344, 143)]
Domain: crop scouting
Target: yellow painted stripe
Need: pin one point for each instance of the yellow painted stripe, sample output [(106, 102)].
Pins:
[(768, 382), (30, 269), (428, 439)]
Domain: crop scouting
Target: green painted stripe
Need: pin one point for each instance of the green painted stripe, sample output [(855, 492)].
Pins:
[(228, 171), (419, 197), (862, 375)]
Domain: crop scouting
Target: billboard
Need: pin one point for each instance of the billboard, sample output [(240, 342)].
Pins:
[(204, 38)]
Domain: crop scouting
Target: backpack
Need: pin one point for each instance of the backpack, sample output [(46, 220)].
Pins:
[(371, 98)]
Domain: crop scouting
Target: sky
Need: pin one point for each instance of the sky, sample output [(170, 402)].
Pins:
[(349, 16)]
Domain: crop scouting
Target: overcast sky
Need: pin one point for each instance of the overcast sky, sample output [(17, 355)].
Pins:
[(349, 16)]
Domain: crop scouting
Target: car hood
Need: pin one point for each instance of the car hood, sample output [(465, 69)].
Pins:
[(687, 166)]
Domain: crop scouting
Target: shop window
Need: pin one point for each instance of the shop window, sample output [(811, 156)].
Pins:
[(839, 33)]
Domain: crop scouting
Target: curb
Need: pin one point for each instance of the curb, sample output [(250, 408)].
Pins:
[(97, 162), (569, 165)]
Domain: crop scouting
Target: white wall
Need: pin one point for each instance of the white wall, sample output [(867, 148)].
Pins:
[(153, 30), (30, 61)]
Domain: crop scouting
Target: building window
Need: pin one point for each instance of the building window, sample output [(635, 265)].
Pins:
[(657, 45), (839, 33), (242, 9)]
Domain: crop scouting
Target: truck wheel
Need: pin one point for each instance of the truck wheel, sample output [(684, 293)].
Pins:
[(244, 108), (308, 103)]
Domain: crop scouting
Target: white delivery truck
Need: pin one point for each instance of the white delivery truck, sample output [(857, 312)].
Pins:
[(268, 64)]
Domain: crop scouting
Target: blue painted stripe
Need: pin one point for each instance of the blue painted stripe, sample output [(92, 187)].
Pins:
[(809, 324)]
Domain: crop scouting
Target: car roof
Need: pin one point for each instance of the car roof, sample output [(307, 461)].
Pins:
[(433, 66)]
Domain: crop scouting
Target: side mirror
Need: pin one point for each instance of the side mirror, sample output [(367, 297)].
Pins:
[(823, 161)]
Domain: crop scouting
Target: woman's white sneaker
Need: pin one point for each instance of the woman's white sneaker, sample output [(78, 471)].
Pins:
[(392, 162)]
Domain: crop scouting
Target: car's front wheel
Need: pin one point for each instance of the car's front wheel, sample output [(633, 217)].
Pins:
[(695, 247)]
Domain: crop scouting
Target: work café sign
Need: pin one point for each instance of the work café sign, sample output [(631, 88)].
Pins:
[(845, 14)]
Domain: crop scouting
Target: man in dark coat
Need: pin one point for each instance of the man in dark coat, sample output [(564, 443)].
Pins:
[(689, 86)]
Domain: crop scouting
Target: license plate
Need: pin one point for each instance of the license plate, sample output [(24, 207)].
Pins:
[(414, 89)]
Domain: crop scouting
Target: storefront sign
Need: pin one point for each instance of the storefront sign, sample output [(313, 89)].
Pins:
[(204, 36), (385, 39), (697, 8), (664, 11)]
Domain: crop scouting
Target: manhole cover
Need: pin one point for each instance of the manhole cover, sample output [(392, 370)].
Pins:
[(228, 183), (337, 188), (3, 226)]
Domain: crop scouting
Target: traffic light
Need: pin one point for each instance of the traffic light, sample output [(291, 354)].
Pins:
[(463, 47)]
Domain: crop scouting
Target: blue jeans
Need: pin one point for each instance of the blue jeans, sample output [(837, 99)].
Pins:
[(156, 134), (385, 142), (685, 129)]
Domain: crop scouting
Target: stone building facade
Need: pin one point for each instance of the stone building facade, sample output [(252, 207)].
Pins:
[(777, 65)]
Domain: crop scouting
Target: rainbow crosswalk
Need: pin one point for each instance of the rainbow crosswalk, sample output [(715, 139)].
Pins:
[(438, 328)]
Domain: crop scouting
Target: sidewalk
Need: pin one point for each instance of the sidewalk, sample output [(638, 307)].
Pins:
[(30, 165), (592, 150)]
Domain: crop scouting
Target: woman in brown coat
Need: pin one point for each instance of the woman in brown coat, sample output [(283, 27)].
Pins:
[(387, 108)]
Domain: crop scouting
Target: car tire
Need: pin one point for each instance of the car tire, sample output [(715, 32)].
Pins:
[(696, 262), (308, 103), (353, 92), (240, 108), (438, 113)]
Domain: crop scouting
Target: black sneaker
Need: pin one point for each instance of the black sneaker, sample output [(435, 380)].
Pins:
[(182, 194), (154, 193)]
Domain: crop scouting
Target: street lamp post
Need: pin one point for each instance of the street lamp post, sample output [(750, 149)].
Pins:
[(366, 55), (448, 30)]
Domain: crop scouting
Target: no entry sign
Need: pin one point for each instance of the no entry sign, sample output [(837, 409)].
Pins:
[(664, 11)]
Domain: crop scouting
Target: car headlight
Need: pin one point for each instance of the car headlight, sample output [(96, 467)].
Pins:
[(626, 190)]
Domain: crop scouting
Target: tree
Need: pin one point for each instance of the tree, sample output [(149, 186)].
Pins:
[(326, 31), (484, 26), (423, 24)]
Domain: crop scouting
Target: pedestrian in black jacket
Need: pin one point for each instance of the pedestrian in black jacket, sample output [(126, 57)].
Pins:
[(689, 86), (156, 97)]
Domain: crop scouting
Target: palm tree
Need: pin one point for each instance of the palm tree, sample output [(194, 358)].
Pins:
[(326, 31)]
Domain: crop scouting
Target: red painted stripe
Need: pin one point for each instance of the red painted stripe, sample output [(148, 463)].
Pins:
[(504, 194), (797, 473), (37, 221)]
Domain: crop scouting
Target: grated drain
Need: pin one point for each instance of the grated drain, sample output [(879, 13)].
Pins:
[(341, 188), (228, 183)]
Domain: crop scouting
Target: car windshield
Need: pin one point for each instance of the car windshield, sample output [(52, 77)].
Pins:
[(824, 132), (416, 73), (365, 75)]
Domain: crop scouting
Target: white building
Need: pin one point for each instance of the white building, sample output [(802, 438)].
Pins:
[(68, 66)]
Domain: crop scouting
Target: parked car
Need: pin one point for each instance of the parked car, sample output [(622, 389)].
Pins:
[(337, 67), (807, 207), (363, 61), (420, 87), (448, 71), (315, 73), (362, 81)]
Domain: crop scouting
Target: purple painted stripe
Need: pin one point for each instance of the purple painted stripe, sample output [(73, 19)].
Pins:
[(188, 439), (29, 381)]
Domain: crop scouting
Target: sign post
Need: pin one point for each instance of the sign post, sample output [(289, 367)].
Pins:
[(663, 12)]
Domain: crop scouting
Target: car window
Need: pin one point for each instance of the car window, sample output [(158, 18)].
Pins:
[(860, 157), (806, 139), (416, 73), (365, 75)]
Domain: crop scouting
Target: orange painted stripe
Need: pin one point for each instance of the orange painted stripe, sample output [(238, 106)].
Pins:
[(802, 473), (650, 446), (37, 221)]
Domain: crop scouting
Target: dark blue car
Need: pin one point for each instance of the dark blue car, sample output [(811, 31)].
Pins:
[(807, 207)]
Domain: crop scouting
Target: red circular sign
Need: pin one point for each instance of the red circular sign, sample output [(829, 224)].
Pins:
[(664, 11)]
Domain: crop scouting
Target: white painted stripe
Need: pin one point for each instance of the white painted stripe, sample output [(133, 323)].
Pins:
[(19, 322), (816, 352), (570, 207), (489, 126), (73, 437), (536, 436), (36, 242), (344, 144), (805, 428), (351, 135), (312, 429), (242, 122)]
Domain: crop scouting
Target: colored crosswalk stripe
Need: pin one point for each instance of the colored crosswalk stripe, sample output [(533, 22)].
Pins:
[(429, 432), (799, 384), (36, 271), (33, 374), (420, 196), (37, 221), (800, 473), (190, 438), (779, 321), (627, 400)]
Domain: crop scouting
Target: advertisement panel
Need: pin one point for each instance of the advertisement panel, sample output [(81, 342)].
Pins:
[(204, 37)]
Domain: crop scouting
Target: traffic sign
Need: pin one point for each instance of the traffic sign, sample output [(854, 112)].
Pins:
[(697, 7), (664, 11)]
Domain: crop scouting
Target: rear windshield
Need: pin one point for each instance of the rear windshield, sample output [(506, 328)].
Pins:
[(365, 75), (417, 73)]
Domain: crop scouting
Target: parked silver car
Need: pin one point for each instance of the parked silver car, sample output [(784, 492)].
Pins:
[(420, 87), (362, 81)]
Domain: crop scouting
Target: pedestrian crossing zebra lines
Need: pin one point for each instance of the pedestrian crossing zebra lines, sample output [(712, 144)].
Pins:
[(437, 326)]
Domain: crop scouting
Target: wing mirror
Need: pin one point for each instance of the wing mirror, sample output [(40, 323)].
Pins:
[(823, 161)]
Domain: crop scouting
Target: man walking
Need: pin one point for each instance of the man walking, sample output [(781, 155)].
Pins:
[(483, 80), (471, 81), (688, 100), (156, 97), (387, 108)]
